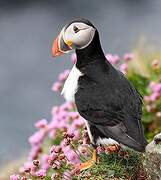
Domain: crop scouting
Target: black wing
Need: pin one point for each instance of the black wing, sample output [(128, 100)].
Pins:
[(114, 106)]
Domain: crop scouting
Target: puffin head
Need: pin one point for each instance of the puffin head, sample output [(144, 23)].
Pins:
[(78, 34)]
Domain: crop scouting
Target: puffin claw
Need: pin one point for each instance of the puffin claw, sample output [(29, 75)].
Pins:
[(88, 164)]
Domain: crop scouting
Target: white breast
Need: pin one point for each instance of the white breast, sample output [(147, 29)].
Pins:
[(106, 141), (71, 84), (103, 141)]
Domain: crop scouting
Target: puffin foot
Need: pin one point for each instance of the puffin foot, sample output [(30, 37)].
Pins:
[(112, 148), (90, 163)]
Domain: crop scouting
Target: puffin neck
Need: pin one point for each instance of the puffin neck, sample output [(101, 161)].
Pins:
[(90, 54)]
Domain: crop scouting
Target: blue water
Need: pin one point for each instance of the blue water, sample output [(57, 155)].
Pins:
[(27, 69)]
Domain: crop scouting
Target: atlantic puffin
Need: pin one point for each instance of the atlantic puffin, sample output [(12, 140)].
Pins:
[(104, 97)]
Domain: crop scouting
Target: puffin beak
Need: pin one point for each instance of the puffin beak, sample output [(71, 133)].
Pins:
[(55, 49), (60, 46)]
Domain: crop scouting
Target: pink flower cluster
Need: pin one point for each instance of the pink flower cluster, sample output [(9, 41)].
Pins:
[(15, 177), (57, 86), (65, 124), (155, 96), (156, 92), (113, 59)]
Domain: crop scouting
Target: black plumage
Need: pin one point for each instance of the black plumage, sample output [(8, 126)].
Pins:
[(107, 100)]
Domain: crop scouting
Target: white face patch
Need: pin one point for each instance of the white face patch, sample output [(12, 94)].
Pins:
[(71, 84), (80, 38)]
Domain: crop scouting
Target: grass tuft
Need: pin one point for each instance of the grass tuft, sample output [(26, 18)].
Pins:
[(115, 166)]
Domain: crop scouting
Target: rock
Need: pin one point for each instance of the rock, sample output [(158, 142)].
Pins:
[(152, 162)]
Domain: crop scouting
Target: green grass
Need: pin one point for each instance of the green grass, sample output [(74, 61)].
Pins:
[(115, 166)]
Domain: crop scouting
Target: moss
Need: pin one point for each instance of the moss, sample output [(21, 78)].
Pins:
[(115, 166)]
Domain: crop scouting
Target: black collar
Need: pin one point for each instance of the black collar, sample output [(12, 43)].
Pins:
[(90, 54)]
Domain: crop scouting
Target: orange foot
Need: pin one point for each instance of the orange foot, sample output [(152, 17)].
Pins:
[(112, 148), (90, 163), (86, 165)]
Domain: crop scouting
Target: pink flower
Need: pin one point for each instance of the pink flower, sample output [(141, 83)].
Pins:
[(73, 58), (71, 156), (63, 114), (54, 176), (37, 137), (45, 166), (71, 129), (63, 76), (76, 135), (44, 158), (24, 178), (41, 173), (128, 56), (113, 59), (79, 122), (67, 175), (14, 177), (52, 134), (100, 150), (57, 86), (53, 124), (56, 149), (41, 123), (123, 68), (154, 96), (55, 110), (28, 167), (157, 88), (62, 124), (84, 149), (152, 85), (74, 115), (53, 156), (34, 152), (44, 162), (85, 141), (66, 106), (57, 164)]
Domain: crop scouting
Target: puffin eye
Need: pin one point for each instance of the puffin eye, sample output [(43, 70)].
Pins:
[(76, 29)]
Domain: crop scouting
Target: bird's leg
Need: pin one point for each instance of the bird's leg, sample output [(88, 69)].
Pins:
[(88, 164), (112, 148)]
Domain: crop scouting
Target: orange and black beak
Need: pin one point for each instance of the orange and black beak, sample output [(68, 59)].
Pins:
[(60, 46)]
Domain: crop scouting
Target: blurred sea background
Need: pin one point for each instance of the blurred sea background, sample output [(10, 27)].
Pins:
[(27, 70)]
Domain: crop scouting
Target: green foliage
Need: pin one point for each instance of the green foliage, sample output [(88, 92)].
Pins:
[(142, 71), (115, 166), (139, 82)]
